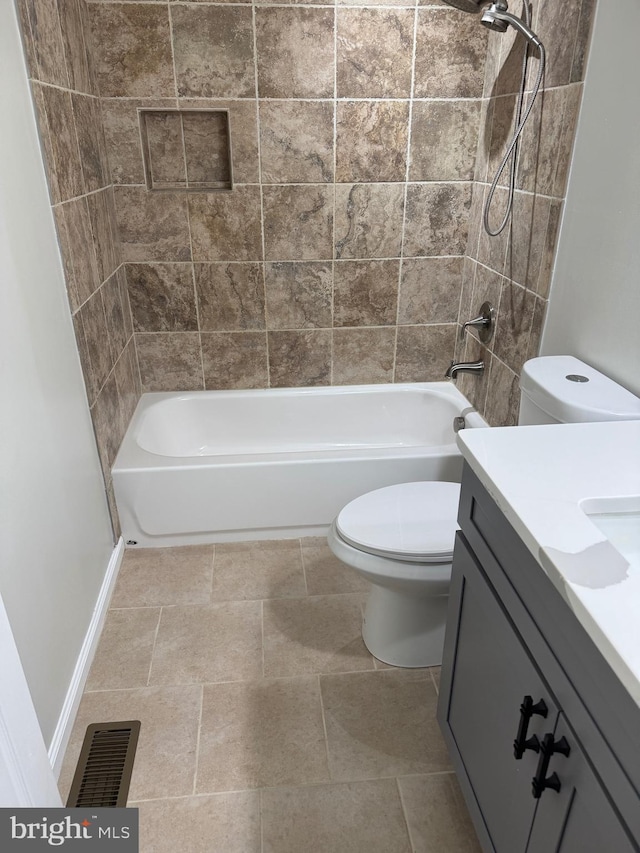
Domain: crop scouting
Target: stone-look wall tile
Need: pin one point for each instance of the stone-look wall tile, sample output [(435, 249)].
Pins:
[(503, 115), (102, 218), (546, 266), (363, 356), (122, 136), (131, 49), (508, 71), (423, 353), (444, 137), (85, 358), (58, 135), (513, 324), (93, 152), (230, 297), (107, 422), (28, 43), (450, 53), (47, 41), (165, 142), (114, 316), (295, 52), (374, 51), (298, 222), (436, 221), (77, 248), (72, 25), (206, 148), (170, 361), (468, 308), (492, 251), (476, 211), (537, 324), (213, 49), (128, 382), (503, 395), (365, 293), (527, 238), (567, 138), (369, 220), (300, 358), (299, 295), (582, 40), (126, 305), (484, 139), (541, 140), (152, 226), (371, 142), (94, 323), (296, 141), (430, 290), (234, 360), (226, 226), (162, 297), (557, 27), (244, 134)]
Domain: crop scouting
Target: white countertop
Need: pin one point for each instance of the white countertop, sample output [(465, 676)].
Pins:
[(543, 478)]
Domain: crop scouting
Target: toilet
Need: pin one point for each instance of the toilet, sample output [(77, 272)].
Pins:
[(401, 537)]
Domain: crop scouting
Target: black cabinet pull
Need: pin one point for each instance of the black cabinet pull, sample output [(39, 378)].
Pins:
[(527, 710), (541, 781)]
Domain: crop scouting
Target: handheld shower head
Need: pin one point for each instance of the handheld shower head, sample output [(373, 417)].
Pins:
[(496, 17)]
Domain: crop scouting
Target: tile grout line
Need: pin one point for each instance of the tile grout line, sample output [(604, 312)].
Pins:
[(262, 634), (324, 727), (153, 648), (404, 813), (197, 755), (304, 571)]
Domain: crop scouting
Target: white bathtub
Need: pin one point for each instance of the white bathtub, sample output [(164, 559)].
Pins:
[(219, 466)]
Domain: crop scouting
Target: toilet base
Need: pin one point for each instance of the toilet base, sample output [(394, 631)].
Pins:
[(403, 629)]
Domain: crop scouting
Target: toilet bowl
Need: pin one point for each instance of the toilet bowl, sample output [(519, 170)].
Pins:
[(401, 539)]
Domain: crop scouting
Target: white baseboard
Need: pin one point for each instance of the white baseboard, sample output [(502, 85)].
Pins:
[(83, 664)]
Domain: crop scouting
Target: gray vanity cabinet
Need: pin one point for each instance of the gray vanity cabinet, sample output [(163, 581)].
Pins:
[(521, 678)]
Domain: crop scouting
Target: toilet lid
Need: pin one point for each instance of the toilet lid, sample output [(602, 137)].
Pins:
[(414, 521)]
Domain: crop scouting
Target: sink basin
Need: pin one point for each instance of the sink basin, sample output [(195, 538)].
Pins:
[(619, 520)]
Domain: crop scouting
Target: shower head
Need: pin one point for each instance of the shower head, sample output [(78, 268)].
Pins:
[(496, 17)]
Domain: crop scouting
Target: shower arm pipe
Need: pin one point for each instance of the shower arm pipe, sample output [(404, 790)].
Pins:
[(532, 39)]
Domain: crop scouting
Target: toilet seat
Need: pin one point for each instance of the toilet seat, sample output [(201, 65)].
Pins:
[(413, 522)]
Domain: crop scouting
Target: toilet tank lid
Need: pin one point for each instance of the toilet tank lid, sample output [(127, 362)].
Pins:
[(556, 384)]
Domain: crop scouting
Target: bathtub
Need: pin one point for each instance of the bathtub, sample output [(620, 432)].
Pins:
[(220, 466)]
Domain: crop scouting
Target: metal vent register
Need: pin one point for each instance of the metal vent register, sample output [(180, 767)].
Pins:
[(103, 774)]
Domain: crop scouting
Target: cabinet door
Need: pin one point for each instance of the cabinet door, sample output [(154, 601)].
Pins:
[(579, 818), (492, 673)]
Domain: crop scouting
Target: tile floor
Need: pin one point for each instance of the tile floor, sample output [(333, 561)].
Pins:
[(267, 727)]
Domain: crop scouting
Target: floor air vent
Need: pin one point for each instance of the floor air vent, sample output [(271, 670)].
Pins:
[(103, 774)]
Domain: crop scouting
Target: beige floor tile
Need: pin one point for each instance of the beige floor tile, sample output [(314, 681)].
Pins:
[(218, 823), (261, 733), (244, 570), (166, 755), (123, 656), (358, 817), (435, 675), (325, 573), (220, 642), (315, 634), (382, 724), (151, 577), (437, 815)]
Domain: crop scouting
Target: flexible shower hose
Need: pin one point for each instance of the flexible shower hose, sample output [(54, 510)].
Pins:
[(515, 142)]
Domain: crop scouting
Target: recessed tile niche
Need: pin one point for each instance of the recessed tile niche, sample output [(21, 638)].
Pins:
[(186, 149)]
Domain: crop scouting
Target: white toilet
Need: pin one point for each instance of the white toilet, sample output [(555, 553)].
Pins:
[(401, 537)]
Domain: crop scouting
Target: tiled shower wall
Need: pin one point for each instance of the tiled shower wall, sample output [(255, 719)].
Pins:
[(337, 258), (513, 271), (70, 124)]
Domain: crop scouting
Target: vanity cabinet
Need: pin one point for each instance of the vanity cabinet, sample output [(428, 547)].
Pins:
[(526, 695)]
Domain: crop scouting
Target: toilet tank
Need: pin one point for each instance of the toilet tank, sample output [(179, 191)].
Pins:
[(562, 389)]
